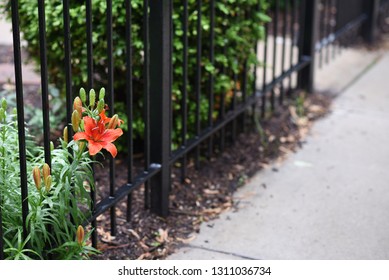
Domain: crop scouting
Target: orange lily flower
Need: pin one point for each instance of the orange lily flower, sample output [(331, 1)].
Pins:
[(98, 136), (106, 120), (103, 118)]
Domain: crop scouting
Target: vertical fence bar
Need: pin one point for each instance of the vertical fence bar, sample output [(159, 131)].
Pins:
[(129, 103), (211, 75), (339, 39), (307, 48), (171, 74), (20, 114), (198, 80), (112, 111), (44, 80), (370, 29), (284, 29), (44, 85), (264, 77), (327, 8), (293, 10), (160, 92), (333, 27), (234, 106), (184, 107), (222, 106), (89, 42), (275, 32), (322, 29), (255, 68), (68, 67), (244, 92), (146, 93), (89, 55)]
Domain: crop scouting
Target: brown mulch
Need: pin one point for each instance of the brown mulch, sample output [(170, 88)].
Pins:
[(207, 192)]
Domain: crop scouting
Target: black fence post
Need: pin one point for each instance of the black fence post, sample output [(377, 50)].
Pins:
[(309, 28), (370, 28), (160, 102)]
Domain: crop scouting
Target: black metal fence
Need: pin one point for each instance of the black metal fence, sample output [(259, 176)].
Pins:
[(300, 32)]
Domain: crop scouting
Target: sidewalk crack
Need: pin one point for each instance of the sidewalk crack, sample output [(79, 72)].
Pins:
[(222, 252)]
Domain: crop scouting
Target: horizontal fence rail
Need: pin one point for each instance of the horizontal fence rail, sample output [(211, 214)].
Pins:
[(171, 79)]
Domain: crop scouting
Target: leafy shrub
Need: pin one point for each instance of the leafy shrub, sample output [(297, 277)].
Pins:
[(58, 196), (53, 196), (238, 25)]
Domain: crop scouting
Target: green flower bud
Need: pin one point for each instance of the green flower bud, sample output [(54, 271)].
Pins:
[(102, 93), (48, 182), (113, 123), (76, 120), (92, 97), (65, 135), (80, 235), (77, 105), (100, 105), (82, 124), (4, 103), (46, 171), (81, 145), (82, 95), (37, 177), (2, 114), (51, 146)]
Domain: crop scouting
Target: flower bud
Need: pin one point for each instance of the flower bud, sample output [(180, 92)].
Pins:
[(81, 145), (46, 171), (36, 174), (92, 97), (51, 146), (77, 105), (80, 235), (4, 103), (100, 105), (82, 124), (2, 114), (65, 135), (82, 95), (102, 93), (48, 182), (76, 120), (113, 123)]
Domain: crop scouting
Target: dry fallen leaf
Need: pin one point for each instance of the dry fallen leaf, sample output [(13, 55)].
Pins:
[(162, 236), (245, 195), (144, 246), (239, 167), (134, 233), (284, 150), (211, 192), (187, 240), (144, 256), (316, 109)]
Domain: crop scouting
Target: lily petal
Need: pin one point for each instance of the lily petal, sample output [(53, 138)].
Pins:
[(111, 135), (80, 136), (111, 148), (89, 124), (94, 147)]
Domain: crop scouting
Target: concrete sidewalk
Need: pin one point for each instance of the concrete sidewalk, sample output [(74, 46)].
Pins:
[(330, 200)]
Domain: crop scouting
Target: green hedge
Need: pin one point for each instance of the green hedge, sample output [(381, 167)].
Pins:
[(239, 25)]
